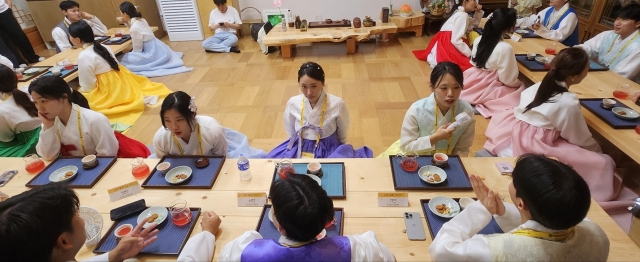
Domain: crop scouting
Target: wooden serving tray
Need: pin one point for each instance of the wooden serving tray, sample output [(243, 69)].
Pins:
[(325, 25)]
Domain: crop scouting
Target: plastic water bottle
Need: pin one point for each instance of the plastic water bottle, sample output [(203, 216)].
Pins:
[(243, 167)]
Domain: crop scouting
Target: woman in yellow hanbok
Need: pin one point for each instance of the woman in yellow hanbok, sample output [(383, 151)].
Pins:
[(110, 88)]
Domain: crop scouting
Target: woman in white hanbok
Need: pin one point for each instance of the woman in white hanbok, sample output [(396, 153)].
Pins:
[(150, 56)]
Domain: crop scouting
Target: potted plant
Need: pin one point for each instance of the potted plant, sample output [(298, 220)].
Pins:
[(437, 7)]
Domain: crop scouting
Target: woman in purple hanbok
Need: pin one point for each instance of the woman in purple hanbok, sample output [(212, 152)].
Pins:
[(316, 122)]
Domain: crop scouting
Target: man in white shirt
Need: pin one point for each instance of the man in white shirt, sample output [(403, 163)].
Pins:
[(558, 22), (43, 224), (223, 21), (72, 14), (12, 34), (301, 210), (545, 223)]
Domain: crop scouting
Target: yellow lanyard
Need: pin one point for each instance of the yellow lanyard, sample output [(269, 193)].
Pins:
[(555, 236), (65, 23), (619, 52), (435, 126), (557, 18), (324, 108), (79, 132), (175, 140)]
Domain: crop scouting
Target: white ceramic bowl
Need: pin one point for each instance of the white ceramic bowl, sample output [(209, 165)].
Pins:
[(452, 204), (162, 212), (608, 102), (625, 113), (176, 171), (115, 232), (89, 160), (524, 27), (316, 178), (427, 172), (314, 167), (443, 156), (58, 175), (163, 167), (521, 31), (465, 202), (114, 39)]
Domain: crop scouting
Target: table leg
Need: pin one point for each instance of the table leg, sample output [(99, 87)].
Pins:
[(351, 45), (418, 31), (285, 50)]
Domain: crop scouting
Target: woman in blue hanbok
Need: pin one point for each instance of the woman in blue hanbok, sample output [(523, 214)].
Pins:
[(150, 56)]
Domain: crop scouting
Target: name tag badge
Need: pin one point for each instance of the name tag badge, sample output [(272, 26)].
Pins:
[(393, 199), (307, 155), (516, 37), (252, 199), (124, 191)]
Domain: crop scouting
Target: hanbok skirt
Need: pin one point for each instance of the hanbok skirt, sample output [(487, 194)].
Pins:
[(156, 59), (119, 95), (445, 51), (597, 169), (483, 89), (239, 144), (328, 147), (23, 144)]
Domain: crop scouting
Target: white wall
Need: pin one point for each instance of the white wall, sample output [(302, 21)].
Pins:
[(333, 9)]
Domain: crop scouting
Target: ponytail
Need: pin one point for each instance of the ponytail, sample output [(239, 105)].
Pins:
[(9, 84), (79, 99), (569, 62), (23, 100), (501, 20), (83, 31), (130, 9), (104, 53)]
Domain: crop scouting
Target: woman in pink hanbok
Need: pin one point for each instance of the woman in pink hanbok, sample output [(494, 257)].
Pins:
[(549, 121), (492, 83)]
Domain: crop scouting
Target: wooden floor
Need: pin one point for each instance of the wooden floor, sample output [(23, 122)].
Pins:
[(248, 91)]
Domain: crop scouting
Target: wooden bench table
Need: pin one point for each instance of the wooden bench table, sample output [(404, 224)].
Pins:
[(412, 23), (286, 40)]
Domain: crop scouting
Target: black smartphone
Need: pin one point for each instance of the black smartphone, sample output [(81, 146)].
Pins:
[(128, 209), (221, 24)]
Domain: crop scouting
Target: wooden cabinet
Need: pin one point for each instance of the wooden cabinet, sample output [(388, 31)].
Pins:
[(47, 14)]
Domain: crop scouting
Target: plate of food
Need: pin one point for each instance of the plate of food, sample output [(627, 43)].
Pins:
[(115, 39), (178, 175), (625, 113), (522, 31), (64, 173), (31, 70), (153, 215), (444, 207), (432, 174)]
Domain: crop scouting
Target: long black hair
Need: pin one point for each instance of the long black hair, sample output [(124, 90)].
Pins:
[(54, 87), (181, 102), (556, 195), (130, 9), (9, 84), (313, 70), (83, 31), (501, 20), (569, 62), (444, 68)]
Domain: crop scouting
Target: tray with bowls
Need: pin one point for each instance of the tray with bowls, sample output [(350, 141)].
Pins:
[(70, 170), (171, 238), (611, 111), (117, 40), (63, 72), (31, 72), (441, 209), (332, 179), (267, 230), (173, 172), (328, 23), (525, 32), (428, 176), (537, 63)]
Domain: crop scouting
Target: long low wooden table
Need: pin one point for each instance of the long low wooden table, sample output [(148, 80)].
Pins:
[(276, 37), (599, 84), (72, 55), (364, 179)]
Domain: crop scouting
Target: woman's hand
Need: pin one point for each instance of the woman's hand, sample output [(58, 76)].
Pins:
[(46, 122), (441, 134)]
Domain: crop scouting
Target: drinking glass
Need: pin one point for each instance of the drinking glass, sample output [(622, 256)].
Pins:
[(622, 91), (139, 168), (180, 212), (285, 167), (33, 163), (319, 19), (551, 49), (408, 161)]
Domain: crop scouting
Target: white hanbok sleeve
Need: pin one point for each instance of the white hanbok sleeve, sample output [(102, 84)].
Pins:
[(136, 38), (6, 134), (528, 21), (233, 250), (629, 67), (568, 119), (458, 32), (365, 247), (219, 145), (410, 140), (5, 61), (160, 147), (565, 29), (199, 248), (48, 143), (458, 239), (466, 139), (290, 120), (97, 26), (100, 258), (508, 67), (511, 218), (592, 46), (342, 121), (61, 38), (103, 136), (86, 72)]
